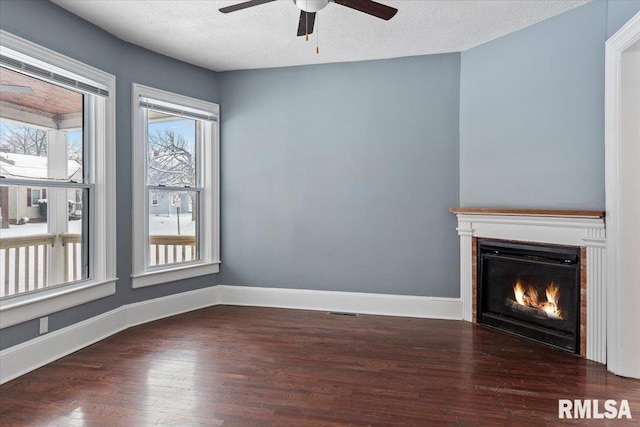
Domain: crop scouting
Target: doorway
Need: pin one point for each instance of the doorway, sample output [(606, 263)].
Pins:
[(622, 156)]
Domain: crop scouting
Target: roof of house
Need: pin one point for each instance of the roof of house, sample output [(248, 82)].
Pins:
[(13, 165)]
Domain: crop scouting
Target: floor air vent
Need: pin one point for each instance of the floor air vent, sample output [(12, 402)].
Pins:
[(339, 313)]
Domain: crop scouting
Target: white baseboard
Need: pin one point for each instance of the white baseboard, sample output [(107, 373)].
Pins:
[(30, 355), (351, 302), (25, 357), (159, 308)]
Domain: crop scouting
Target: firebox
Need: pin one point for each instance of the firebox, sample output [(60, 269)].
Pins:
[(531, 290)]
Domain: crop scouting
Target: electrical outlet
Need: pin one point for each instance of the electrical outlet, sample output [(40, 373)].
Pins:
[(44, 325)]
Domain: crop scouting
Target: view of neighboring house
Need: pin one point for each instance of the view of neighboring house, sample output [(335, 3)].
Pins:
[(18, 203), (165, 203)]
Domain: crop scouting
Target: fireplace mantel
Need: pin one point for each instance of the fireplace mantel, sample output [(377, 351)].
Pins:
[(581, 228), (529, 212)]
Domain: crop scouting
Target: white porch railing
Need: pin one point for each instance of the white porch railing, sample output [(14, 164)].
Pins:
[(72, 256), (171, 249), (23, 260), (23, 263)]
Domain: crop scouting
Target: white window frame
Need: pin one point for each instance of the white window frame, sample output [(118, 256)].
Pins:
[(209, 216), (102, 282)]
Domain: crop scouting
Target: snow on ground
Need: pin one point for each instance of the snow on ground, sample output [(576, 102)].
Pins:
[(33, 228), (158, 224), (168, 224)]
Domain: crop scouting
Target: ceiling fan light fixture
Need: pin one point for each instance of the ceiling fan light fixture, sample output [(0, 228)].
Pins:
[(308, 9), (311, 6)]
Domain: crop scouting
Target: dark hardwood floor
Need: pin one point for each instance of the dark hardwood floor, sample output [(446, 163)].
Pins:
[(247, 366)]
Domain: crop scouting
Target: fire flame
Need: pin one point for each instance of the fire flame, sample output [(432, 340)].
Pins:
[(519, 292), (529, 298), (532, 293)]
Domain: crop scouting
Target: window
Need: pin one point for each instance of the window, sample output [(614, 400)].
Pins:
[(176, 194), (57, 199), (34, 196)]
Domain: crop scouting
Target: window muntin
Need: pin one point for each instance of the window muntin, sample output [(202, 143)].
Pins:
[(176, 140)]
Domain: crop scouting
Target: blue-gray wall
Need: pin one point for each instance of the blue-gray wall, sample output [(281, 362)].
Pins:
[(531, 116), (340, 176), (532, 113), (50, 26), (619, 12)]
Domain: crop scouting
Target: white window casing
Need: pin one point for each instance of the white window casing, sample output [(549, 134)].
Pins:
[(31, 59), (146, 98)]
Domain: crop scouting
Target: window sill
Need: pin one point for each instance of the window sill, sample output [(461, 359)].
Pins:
[(157, 277), (21, 308)]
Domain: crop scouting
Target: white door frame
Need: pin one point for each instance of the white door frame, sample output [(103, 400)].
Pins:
[(615, 47)]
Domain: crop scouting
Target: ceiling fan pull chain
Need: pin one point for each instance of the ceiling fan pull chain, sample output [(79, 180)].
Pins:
[(306, 23), (317, 37)]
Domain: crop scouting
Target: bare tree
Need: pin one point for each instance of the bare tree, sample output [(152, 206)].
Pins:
[(23, 139), (74, 148), (171, 159)]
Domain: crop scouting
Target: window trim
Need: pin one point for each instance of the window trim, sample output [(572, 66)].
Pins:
[(23, 307), (209, 262)]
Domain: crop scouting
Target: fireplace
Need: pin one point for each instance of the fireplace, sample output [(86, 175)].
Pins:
[(531, 290), (556, 228)]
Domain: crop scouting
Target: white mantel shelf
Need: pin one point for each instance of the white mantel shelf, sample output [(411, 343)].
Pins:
[(582, 228), (529, 212)]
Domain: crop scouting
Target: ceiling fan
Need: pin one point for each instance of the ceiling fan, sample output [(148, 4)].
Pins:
[(308, 9)]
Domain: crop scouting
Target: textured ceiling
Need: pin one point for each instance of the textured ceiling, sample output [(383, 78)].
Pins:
[(265, 36)]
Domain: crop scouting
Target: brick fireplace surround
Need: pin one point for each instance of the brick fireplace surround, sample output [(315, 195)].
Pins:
[(583, 229)]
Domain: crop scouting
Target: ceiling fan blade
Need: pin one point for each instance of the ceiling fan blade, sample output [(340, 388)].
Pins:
[(307, 19), (16, 89), (244, 5), (370, 7)]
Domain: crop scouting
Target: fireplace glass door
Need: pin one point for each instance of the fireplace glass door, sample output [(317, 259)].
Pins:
[(530, 290)]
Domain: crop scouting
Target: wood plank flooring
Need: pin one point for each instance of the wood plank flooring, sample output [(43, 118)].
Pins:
[(249, 366)]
